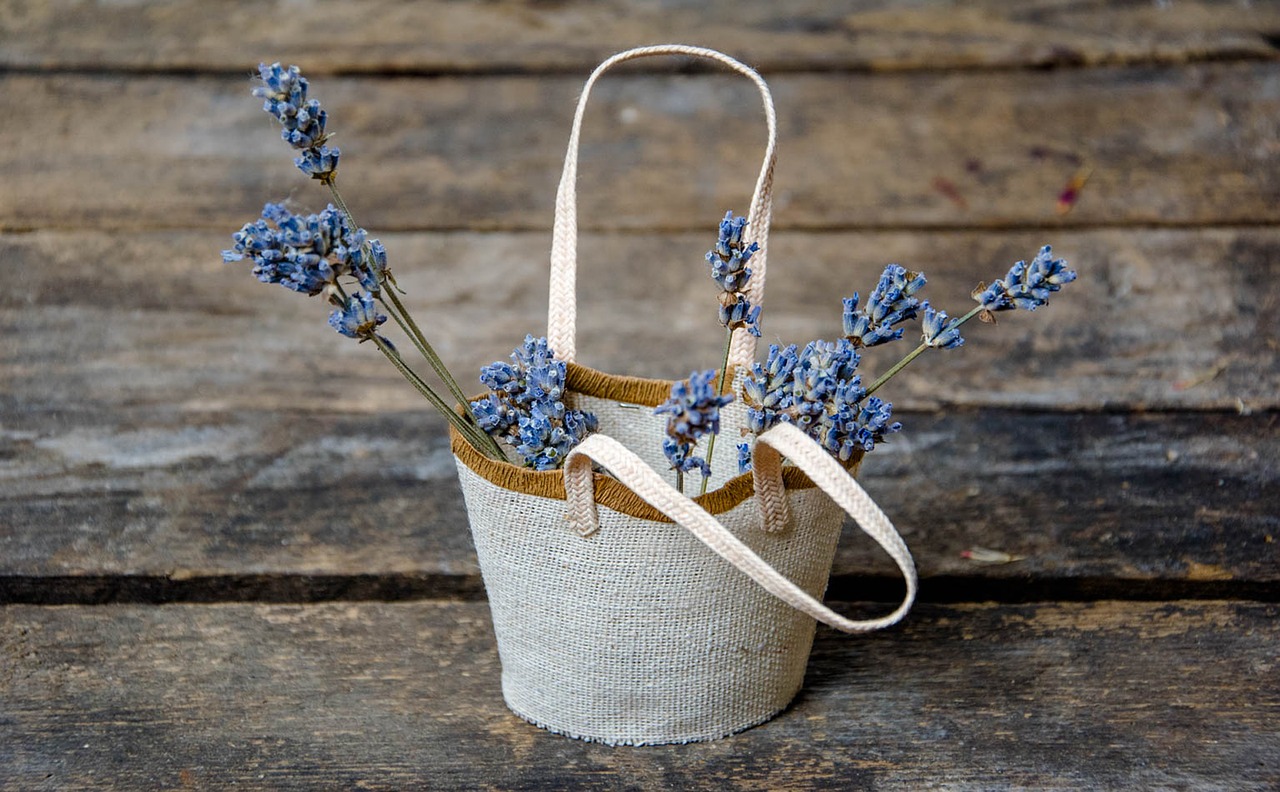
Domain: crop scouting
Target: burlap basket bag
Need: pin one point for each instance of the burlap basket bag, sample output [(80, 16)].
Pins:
[(625, 612)]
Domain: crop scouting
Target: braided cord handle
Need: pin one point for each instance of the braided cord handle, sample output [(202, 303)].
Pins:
[(632, 471), (832, 478), (563, 310)]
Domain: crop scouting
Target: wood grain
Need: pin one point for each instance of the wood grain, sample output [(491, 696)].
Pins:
[(389, 696), (445, 37), (154, 505), (1185, 146), (1159, 319), (172, 432)]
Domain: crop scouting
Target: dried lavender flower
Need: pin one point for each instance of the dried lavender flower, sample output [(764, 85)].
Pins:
[(1027, 286), (744, 458), (739, 312), (891, 303), (307, 253), (525, 409), (693, 411), (819, 391), (728, 260), (939, 331), (546, 436), (357, 317), (284, 92)]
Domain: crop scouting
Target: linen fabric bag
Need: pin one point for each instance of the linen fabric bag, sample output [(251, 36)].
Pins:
[(626, 612)]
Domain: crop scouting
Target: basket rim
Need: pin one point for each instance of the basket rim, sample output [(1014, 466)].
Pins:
[(609, 492)]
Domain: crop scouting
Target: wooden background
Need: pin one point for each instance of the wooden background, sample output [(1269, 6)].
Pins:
[(232, 547)]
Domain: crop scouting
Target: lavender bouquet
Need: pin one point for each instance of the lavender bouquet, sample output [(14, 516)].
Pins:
[(328, 253), (523, 417), (818, 387)]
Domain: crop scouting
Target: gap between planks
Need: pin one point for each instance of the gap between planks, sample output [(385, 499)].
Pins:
[(301, 589), (1054, 61)]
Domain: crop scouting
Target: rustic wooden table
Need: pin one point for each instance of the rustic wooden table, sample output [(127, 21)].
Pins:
[(232, 546)]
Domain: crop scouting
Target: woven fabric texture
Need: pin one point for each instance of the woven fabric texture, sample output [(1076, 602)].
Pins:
[(641, 634)]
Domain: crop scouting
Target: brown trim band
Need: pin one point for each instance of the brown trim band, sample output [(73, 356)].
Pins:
[(609, 492), (632, 390)]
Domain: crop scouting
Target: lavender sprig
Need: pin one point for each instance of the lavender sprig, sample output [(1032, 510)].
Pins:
[(728, 260), (693, 411), (525, 407), (308, 253), (1027, 286), (818, 390), (890, 304), (284, 92)]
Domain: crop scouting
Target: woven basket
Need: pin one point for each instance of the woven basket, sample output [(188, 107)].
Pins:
[(626, 612)]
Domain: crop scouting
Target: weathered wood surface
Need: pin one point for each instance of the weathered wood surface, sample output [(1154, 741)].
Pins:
[(171, 431), (140, 505), (434, 37), (1186, 146), (1158, 319), (175, 429), (387, 696)]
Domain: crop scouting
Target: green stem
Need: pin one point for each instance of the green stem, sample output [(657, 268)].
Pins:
[(720, 386), (428, 351), (332, 184), (411, 329), (471, 432), (488, 440), (913, 354), (680, 480)]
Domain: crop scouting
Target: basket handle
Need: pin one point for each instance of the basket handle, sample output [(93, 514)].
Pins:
[(563, 308), (632, 471)]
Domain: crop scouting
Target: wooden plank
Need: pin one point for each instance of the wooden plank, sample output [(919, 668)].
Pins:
[(388, 696), (1166, 146), (161, 505), (1158, 319), (470, 37)]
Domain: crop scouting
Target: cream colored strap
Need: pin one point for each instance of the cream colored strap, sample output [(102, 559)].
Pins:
[(649, 485), (831, 477), (563, 309)]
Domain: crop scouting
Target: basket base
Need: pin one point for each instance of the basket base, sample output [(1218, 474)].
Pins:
[(625, 742)]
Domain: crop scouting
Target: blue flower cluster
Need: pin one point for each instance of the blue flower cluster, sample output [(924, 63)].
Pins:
[(1027, 286), (939, 331), (692, 411), (728, 260), (357, 318), (285, 95), (525, 406), (307, 253), (891, 303), (818, 390)]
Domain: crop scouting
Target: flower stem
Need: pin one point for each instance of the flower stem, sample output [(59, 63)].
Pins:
[(913, 354), (411, 329), (720, 387), (332, 183), (471, 432), (428, 352)]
